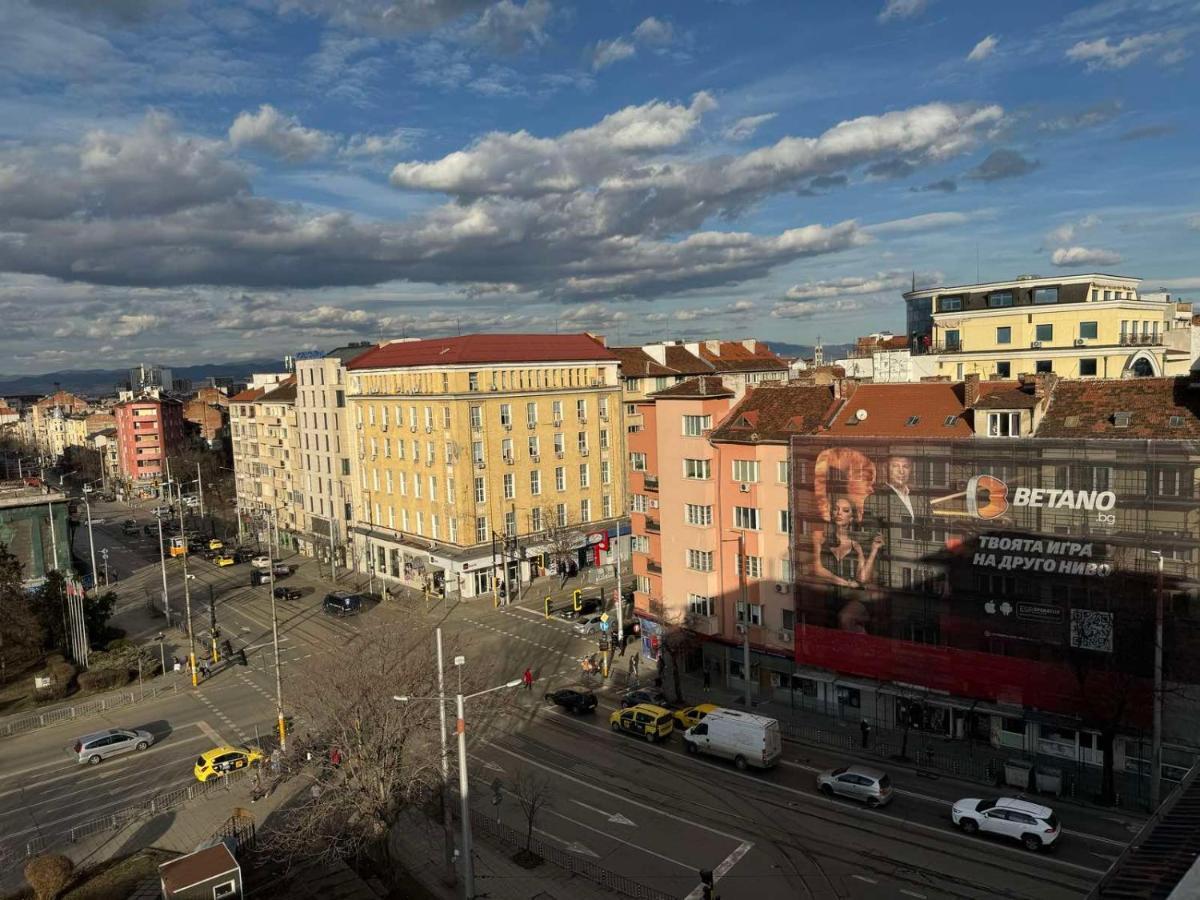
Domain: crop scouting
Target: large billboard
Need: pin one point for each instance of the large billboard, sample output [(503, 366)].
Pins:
[(1014, 571)]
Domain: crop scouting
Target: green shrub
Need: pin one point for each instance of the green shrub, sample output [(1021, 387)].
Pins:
[(119, 645), (103, 679)]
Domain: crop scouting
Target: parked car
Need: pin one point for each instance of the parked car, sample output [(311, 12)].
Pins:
[(862, 783), (195, 545), (216, 544), (220, 761), (1034, 825), (281, 570), (100, 745), (243, 556), (163, 511), (287, 593), (150, 530), (260, 561), (587, 624), (223, 559), (651, 722), (129, 527), (746, 739), (342, 603), (258, 577), (587, 605), (691, 715), (108, 498), (573, 700), (644, 695)]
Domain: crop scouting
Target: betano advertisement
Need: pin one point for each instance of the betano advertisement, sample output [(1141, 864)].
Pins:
[(1010, 571)]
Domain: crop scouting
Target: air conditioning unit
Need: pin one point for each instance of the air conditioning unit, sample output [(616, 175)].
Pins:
[(535, 457), (493, 388), (508, 426), (358, 425), (1037, 345), (785, 636), (429, 429), (740, 628), (781, 588), (597, 382), (654, 504), (1078, 342), (480, 464), (509, 460), (583, 420), (744, 488), (603, 417), (531, 425), (558, 423), (559, 454), (584, 451), (383, 427)]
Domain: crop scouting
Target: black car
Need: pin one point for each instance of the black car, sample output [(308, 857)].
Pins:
[(195, 545), (129, 527), (342, 603), (241, 555), (572, 700), (587, 606), (258, 577), (645, 695), (287, 593), (150, 530)]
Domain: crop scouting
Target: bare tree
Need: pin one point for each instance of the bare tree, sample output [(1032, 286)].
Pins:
[(21, 634), (679, 642), (533, 792), (560, 539)]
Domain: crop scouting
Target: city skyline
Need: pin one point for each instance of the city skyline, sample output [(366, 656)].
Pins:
[(184, 182)]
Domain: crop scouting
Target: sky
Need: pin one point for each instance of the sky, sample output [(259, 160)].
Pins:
[(183, 182)]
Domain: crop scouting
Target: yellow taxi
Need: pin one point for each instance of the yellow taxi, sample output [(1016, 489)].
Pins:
[(220, 761), (691, 715), (645, 720), (216, 544), (223, 560)]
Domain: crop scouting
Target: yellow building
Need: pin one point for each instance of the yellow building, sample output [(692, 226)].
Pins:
[(1079, 326), (482, 461), (266, 461)]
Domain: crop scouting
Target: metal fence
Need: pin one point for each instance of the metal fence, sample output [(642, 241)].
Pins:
[(118, 819), (572, 862), (32, 721)]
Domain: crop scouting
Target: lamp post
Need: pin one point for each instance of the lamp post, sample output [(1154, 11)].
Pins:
[(187, 591), (741, 570), (1156, 738), (463, 785), (272, 540), (91, 539)]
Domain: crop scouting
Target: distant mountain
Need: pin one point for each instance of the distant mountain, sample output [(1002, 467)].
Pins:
[(805, 351), (104, 381)]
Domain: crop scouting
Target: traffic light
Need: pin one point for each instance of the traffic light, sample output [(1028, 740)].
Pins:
[(706, 884), (547, 606), (576, 598)]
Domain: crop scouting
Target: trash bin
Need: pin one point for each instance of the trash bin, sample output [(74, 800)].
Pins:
[(1049, 780), (1017, 772)]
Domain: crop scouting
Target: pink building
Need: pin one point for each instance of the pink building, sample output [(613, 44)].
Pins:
[(148, 430)]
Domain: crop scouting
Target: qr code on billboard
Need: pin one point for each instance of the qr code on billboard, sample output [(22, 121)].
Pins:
[(1091, 630)]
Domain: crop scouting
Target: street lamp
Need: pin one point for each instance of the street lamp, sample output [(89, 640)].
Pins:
[(187, 592), (272, 549), (463, 789), (741, 569), (1156, 738), (91, 539)]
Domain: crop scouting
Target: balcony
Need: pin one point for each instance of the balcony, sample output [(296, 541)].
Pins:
[(706, 625), (654, 568), (653, 526), (650, 482), (1141, 340)]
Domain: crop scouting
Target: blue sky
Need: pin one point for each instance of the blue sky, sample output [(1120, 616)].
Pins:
[(187, 181)]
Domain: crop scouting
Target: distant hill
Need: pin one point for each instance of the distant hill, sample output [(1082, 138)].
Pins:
[(104, 381), (805, 351)]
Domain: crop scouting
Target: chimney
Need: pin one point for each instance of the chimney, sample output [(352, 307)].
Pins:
[(750, 344), (1043, 385), (703, 386), (971, 390), (713, 347), (656, 352), (844, 388)]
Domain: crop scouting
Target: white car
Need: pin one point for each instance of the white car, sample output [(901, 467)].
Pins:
[(587, 624), (260, 562), (1032, 824)]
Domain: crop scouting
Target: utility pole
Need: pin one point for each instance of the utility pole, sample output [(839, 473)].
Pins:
[(333, 549), (447, 814), (212, 624), (619, 593), (1156, 739), (187, 591), (271, 540), (162, 559), (91, 544), (746, 612)]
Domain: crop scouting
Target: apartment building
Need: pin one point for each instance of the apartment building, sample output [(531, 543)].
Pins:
[(484, 460), (325, 451), (47, 425), (266, 442), (149, 430), (1079, 326), (207, 415)]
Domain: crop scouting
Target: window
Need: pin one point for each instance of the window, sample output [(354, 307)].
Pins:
[(560, 444), (510, 523), (605, 472), (785, 521), (480, 491), (557, 410), (700, 560), (506, 449), (535, 483), (637, 462), (561, 512), (581, 410), (695, 514), (531, 413), (506, 415), (585, 510), (751, 564), (1004, 369), (535, 519), (695, 426), (697, 469), (699, 605), (585, 475), (1088, 330), (639, 543), (783, 471), (1004, 335), (481, 529), (745, 470), (510, 486), (952, 339), (1044, 365), (1045, 332), (534, 447), (583, 441), (476, 413), (1087, 367), (560, 478), (472, 381), (746, 518), (1045, 295), (949, 304), (1004, 424), (603, 438), (1000, 298), (755, 613), (637, 503)]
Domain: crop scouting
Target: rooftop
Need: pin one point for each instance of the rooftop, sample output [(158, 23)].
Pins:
[(484, 349), (247, 396), (773, 413), (920, 410), (1023, 281), (1005, 395), (1123, 408), (706, 387), (637, 363), (284, 393)]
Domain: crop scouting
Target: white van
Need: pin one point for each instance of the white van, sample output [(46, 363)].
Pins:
[(747, 739)]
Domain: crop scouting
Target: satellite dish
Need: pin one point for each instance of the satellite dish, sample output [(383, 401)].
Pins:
[(860, 414)]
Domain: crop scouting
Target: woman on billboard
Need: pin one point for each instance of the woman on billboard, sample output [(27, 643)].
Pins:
[(839, 561)]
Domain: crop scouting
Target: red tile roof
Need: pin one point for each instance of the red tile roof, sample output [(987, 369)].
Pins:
[(1005, 395), (637, 363), (1090, 409), (684, 362), (772, 414), (484, 349), (248, 396), (708, 386), (284, 392), (889, 408), (734, 356)]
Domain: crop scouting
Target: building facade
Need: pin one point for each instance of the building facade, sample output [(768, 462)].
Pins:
[(266, 442), (33, 527), (481, 461), (149, 430), (207, 416)]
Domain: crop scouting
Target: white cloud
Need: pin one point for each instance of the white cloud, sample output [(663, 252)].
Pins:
[(508, 27), (364, 145), (744, 128), (606, 53), (385, 17), (282, 136), (811, 311), (1103, 54), (902, 9), (924, 222), (654, 31), (1083, 256), (1062, 234), (1194, 223), (890, 283), (983, 49)]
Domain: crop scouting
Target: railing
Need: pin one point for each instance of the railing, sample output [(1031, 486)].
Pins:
[(653, 526), (33, 721), (650, 482), (653, 567), (571, 862), (1141, 340)]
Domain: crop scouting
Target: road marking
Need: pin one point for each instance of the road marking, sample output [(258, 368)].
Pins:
[(211, 733), (613, 837), (908, 893), (865, 878), (615, 818), (720, 871)]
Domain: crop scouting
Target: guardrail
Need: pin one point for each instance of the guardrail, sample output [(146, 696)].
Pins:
[(573, 863), (117, 820), (32, 721)]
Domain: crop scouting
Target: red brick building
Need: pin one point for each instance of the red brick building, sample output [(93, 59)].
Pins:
[(148, 430)]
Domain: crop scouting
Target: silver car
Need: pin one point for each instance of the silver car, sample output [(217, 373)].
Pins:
[(587, 624), (91, 748), (861, 783)]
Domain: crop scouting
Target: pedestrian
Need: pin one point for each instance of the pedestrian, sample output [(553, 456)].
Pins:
[(662, 664), (527, 679), (204, 670), (335, 757), (707, 678), (865, 727), (623, 640), (636, 663)]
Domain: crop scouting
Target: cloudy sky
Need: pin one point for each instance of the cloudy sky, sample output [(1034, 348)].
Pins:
[(184, 181)]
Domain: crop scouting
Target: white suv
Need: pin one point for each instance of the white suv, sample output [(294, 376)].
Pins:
[(1032, 824)]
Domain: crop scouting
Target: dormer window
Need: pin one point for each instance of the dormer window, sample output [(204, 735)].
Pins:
[(1004, 424), (1122, 419), (949, 304), (912, 421), (1175, 421)]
